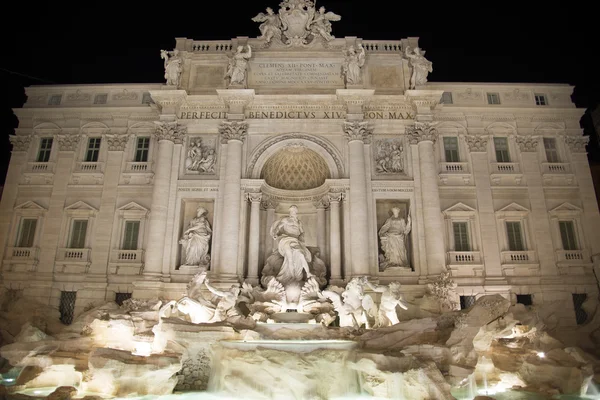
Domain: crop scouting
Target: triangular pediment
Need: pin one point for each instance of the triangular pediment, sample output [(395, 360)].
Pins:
[(459, 207), (80, 206), (133, 206), (566, 207), (30, 206), (514, 207)]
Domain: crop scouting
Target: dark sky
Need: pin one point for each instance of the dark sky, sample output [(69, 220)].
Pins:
[(120, 42)]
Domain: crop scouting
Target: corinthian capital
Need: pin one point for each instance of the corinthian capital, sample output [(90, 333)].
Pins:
[(170, 131), (20, 143), (254, 197), (577, 144), (116, 142), (527, 143), (233, 130), (477, 144), (67, 142), (421, 132), (358, 130)]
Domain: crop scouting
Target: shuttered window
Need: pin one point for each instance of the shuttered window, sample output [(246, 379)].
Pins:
[(93, 150), (141, 149), (130, 238), (451, 149), (45, 149), (550, 148), (26, 233), (501, 146), (78, 233), (461, 237), (515, 236), (567, 235)]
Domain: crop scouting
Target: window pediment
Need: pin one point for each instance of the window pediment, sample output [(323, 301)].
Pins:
[(513, 209), (565, 209), (81, 208), (133, 210), (459, 209)]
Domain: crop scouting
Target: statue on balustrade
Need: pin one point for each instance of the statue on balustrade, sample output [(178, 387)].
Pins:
[(420, 67), (196, 240), (238, 63), (393, 236), (292, 263), (172, 66), (354, 60)]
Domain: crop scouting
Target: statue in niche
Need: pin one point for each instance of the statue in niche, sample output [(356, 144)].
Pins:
[(289, 234), (320, 23), (238, 63), (270, 27), (292, 263), (389, 158), (196, 240), (200, 158), (172, 66), (420, 67), (353, 62), (390, 298), (393, 236)]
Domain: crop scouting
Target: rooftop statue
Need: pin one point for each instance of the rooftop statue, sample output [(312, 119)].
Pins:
[(238, 63), (420, 67), (172, 66)]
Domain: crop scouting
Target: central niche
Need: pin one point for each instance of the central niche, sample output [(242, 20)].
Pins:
[(295, 167)]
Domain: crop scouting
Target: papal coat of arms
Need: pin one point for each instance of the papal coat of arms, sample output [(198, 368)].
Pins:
[(298, 23)]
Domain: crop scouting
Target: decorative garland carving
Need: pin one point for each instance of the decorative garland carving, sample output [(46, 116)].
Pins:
[(20, 143), (233, 130), (476, 143), (358, 130), (116, 142), (68, 142), (527, 143), (422, 131), (170, 131)]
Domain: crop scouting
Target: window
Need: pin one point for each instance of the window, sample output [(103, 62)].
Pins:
[(466, 302), (501, 146), (550, 148), (121, 297), (44, 151), (540, 99), (461, 236), (141, 149), (567, 235), (55, 100), (100, 98), (78, 234), (515, 236), (493, 98), (580, 314), (524, 299), (130, 237), (447, 98), (67, 307), (93, 149), (147, 98), (26, 233), (451, 149)]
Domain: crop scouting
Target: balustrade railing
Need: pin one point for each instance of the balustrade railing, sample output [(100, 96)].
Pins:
[(454, 168), (573, 256), (516, 257), (464, 257), (127, 256), (85, 166), (382, 46), (555, 168), (23, 253), (138, 167), (212, 46), (505, 168), (67, 254), (42, 167)]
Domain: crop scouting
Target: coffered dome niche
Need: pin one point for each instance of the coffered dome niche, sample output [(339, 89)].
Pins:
[(295, 167)]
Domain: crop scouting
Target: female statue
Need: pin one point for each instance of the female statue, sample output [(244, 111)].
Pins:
[(393, 235), (172, 66), (236, 71), (196, 239), (352, 65), (420, 67)]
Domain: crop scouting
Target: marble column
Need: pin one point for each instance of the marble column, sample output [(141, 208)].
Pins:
[(18, 161), (357, 132), (233, 133), (167, 134), (269, 205), (335, 245), (583, 176), (478, 146), (424, 135), (530, 165), (321, 205), (254, 237)]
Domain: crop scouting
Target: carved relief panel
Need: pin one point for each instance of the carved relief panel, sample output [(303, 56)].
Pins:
[(201, 155)]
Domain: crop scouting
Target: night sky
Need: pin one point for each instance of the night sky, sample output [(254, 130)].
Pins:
[(118, 42)]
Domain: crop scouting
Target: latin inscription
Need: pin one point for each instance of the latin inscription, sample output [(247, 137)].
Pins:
[(295, 73), (296, 114)]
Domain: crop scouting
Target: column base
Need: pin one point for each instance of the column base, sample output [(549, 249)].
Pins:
[(223, 280)]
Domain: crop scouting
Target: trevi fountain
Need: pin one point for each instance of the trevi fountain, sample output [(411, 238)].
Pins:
[(306, 324)]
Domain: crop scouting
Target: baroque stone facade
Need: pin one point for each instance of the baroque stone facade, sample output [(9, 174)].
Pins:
[(491, 182)]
